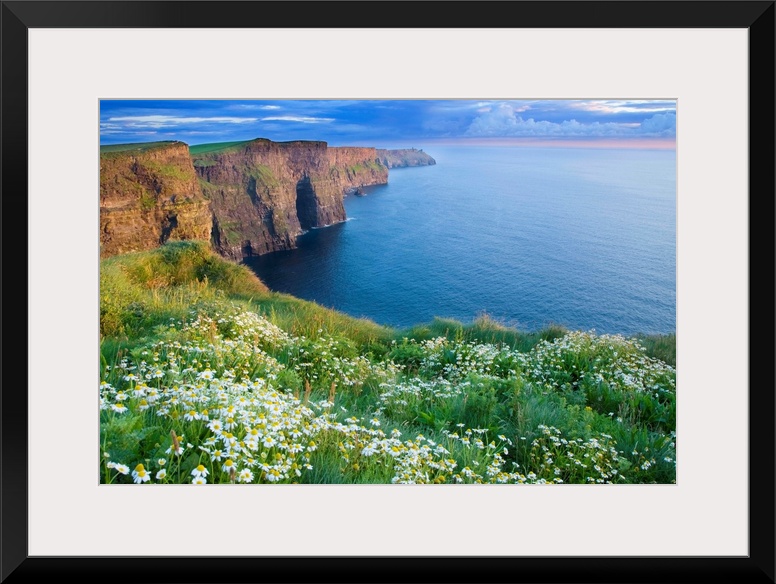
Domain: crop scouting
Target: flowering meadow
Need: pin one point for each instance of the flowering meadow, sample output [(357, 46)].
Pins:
[(206, 377)]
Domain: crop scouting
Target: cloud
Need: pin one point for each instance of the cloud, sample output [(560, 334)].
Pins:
[(503, 121), (161, 121), (659, 125), (302, 119), (624, 106), (247, 106)]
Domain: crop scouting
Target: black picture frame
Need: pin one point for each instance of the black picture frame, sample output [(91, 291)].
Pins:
[(757, 566)]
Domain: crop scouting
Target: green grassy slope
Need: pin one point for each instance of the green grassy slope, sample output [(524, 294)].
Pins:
[(207, 376)]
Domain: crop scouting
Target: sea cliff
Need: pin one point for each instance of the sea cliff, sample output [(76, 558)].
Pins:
[(149, 194), (246, 198), (264, 194)]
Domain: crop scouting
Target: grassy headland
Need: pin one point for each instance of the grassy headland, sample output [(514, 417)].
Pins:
[(207, 376)]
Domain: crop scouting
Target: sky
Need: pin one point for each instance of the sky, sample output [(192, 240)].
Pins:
[(393, 123)]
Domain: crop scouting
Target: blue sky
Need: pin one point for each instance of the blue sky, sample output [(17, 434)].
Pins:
[(390, 123)]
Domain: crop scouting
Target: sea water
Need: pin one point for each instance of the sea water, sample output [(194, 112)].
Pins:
[(584, 238)]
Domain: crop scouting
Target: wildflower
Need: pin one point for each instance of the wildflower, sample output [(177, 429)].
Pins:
[(121, 468), (119, 408), (199, 471), (215, 426), (161, 474), (199, 481), (245, 476), (228, 465), (161, 462), (140, 475)]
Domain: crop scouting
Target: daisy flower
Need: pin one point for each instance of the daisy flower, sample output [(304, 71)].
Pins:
[(199, 471), (199, 481), (273, 475), (121, 468), (140, 475), (161, 474), (245, 476)]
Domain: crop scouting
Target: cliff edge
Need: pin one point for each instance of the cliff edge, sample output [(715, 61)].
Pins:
[(149, 194)]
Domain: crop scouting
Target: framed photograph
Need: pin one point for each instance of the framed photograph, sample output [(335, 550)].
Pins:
[(150, 147)]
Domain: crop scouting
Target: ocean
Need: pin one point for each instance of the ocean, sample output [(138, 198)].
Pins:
[(583, 238)]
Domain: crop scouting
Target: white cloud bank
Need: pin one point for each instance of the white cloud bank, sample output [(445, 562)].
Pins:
[(503, 121)]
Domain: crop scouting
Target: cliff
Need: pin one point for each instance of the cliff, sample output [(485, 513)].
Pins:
[(149, 193), (246, 198), (264, 194), (404, 157)]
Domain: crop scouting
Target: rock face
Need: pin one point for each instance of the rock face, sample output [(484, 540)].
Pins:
[(264, 194), (246, 198), (404, 157), (149, 193)]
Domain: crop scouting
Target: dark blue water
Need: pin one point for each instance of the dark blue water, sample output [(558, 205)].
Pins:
[(530, 236)]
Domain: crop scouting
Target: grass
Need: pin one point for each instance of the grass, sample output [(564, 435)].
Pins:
[(135, 147), (207, 376), (216, 147)]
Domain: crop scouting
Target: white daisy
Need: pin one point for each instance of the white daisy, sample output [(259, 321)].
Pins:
[(199, 471), (140, 475), (245, 476)]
